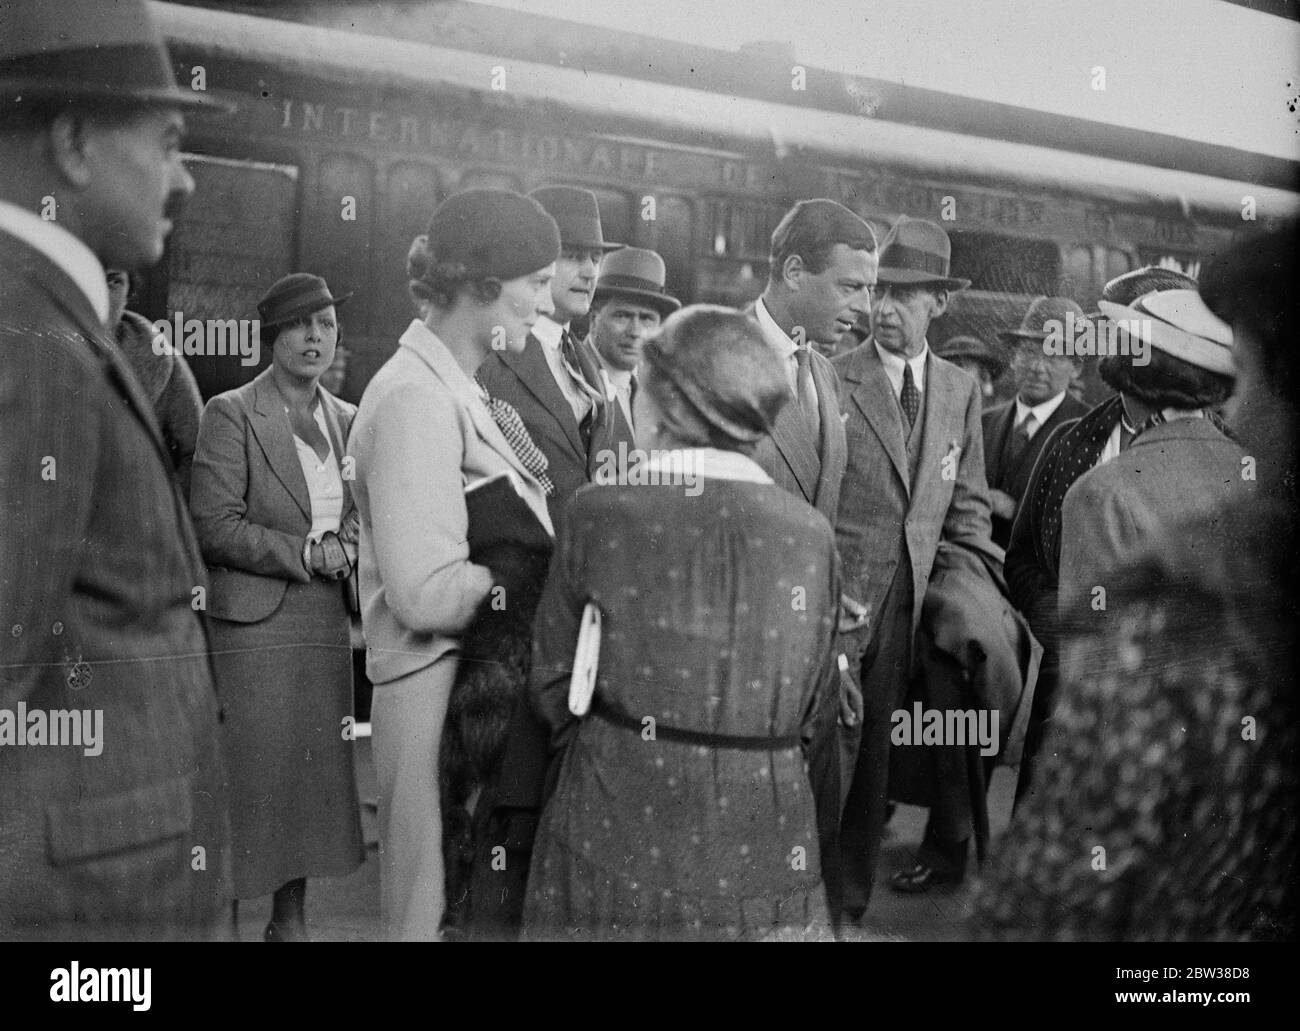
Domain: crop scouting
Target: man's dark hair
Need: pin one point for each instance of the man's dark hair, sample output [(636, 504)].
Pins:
[(1166, 382), (811, 229)]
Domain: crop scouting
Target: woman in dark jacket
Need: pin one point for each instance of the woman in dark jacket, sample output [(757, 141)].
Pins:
[(683, 807), (278, 529)]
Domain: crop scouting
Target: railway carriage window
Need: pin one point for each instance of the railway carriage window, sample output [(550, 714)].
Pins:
[(1006, 264), (672, 235), (1080, 279), (1117, 263), (742, 229), (337, 246), (412, 192), (236, 239)]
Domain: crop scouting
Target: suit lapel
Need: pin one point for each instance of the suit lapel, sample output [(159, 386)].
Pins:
[(535, 374), (937, 431), (270, 426), (791, 440), (1001, 431), (875, 399)]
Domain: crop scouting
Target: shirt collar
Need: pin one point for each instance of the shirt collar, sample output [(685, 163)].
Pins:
[(62, 248), (772, 332), (1041, 412), (894, 366), (548, 331), (711, 463), (621, 378)]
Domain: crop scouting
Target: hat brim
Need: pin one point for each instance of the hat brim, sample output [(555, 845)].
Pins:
[(915, 277), (662, 303), (307, 309), (162, 96), (592, 245), (1177, 343)]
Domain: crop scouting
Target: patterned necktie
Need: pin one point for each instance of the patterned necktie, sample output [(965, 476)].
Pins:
[(569, 352), (805, 391), (512, 427), (910, 397)]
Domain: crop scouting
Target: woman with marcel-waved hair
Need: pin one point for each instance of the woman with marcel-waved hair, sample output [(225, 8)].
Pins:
[(481, 277), (683, 808)]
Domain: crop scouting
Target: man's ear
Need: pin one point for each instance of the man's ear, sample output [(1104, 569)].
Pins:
[(940, 303), (66, 138), (792, 271)]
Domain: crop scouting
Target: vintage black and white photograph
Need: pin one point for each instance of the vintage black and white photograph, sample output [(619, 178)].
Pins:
[(526, 470)]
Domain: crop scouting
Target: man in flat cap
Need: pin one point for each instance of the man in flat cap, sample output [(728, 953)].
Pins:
[(1016, 430), (120, 833), (915, 478), (629, 303)]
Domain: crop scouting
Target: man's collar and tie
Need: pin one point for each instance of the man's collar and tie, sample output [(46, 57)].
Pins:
[(907, 378), (798, 367), (562, 353), (1031, 418)]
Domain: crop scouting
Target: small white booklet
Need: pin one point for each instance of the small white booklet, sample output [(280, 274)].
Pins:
[(586, 660)]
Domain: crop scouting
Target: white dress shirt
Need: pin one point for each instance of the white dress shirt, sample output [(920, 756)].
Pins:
[(781, 343), (1040, 412), (894, 368), (620, 382), (549, 333), (62, 248)]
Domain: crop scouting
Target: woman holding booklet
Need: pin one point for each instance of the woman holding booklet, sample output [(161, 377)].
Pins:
[(683, 808), (481, 277)]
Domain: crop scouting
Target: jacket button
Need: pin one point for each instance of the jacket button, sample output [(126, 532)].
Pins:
[(57, 628)]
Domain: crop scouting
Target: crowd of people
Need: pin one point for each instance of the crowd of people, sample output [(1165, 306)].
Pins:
[(671, 703)]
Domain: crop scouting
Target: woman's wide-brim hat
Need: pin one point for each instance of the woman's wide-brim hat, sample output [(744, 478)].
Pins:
[(638, 274), (918, 253), (106, 53), (1180, 324), (296, 296)]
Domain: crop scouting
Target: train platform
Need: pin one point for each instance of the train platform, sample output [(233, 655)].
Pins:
[(346, 909)]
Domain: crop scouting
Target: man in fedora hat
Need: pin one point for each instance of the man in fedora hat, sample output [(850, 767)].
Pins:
[(101, 581), (1016, 430), (915, 478), (972, 355), (554, 383), (629, 303)]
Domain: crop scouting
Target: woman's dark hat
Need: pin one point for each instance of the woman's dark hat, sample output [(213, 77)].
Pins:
[(639, 274), (578, 215), (1033, 326), (917, 253), (495, 234), (295, 296), (110, 53)]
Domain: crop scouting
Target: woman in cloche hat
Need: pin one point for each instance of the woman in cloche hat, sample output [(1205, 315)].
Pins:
[(424, 433), (660, 834), (278, 529)]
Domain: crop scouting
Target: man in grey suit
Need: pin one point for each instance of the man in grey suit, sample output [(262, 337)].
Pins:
[(100, 575), (822, 269), (915, 477)]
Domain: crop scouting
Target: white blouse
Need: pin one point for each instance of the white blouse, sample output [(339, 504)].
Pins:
[(324, 484)]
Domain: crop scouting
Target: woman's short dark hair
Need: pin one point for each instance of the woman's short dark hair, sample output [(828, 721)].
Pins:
[(440, 283), (1166, 382)]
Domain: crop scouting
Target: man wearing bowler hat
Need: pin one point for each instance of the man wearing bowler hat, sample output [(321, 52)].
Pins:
[(915, 478), (1016, 430), (629, 303), (554, 383), (101, 581)]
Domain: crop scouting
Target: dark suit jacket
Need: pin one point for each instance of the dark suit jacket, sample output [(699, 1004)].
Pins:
[(790, 457), (249, 499), (98, 571), (882, 515), (1013, 478), (525, 381)]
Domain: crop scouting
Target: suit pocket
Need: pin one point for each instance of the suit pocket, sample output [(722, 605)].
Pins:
[(101, 827)]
